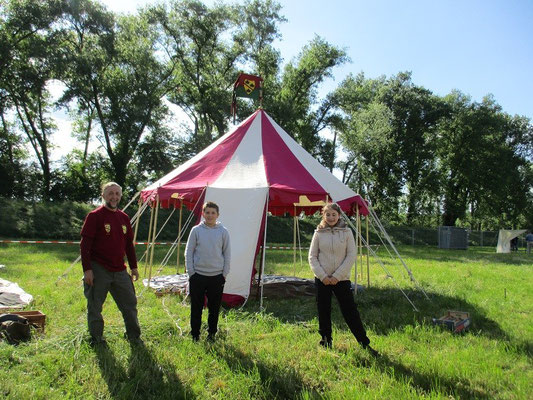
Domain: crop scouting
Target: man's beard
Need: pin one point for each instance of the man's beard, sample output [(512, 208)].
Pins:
[(108, 205)]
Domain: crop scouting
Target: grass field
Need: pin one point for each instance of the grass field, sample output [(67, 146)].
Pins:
[(274, 353)]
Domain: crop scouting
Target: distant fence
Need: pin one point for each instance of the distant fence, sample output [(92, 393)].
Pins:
[(429, 236)]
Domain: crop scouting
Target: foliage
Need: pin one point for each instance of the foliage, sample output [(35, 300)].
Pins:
[(81, 177), (479, 157), (421, 159), (209, 45), (42, 220), (12, 166), (28, 42), (110, 65), (416, 155)]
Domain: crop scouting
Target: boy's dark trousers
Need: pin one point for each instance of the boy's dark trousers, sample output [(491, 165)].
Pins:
[(343, 293), (199, 287)]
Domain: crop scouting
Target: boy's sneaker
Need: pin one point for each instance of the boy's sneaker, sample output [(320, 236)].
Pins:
[(195, 338), (326, 342), (211, 338), (136, 341)]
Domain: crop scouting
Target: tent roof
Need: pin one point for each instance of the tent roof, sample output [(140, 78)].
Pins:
[(258, 153)]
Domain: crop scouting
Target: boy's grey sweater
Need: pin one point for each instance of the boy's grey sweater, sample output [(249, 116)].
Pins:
[(208, 250)]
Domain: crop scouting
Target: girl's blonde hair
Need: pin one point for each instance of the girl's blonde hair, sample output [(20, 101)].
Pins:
[(327, 207)]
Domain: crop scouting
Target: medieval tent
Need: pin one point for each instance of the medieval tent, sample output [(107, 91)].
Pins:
[(504, 239), (254, 169)]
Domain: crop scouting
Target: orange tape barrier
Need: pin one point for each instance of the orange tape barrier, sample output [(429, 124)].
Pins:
[(159, 243)]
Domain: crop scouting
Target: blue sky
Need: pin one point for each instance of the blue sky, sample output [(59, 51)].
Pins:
[(477, 47)]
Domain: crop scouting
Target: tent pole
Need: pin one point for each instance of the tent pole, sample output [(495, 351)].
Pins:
[(294, 240), (154, 230), (258, 293), (294, 243), (356, 248), (137, 223), (148, 240), (378, 259), (131, 201), (360, 250), (179, 237), (367, 253), (263, 257), (299, 244)]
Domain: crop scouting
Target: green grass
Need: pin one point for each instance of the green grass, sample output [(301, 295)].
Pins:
[(275, 353)]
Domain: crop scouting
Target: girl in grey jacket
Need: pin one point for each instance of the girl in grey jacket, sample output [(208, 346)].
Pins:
[(331, 257)]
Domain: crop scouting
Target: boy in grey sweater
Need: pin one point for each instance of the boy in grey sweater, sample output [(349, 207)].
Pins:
[(207, 258)]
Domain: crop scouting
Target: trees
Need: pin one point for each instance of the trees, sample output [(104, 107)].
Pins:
[(415, 154), (484, 169), (12, 156), (209, 44), (391, 127), (110, 67), (28, 41)]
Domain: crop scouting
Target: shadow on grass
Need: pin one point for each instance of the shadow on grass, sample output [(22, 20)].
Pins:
[(387, 310), (424, 383), (473, 254), (111, 370), (277, 381), (146, 378)]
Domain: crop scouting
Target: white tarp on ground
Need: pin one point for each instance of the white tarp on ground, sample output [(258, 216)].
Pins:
[(504, 239), (274, 285), (176, 284), (12, 296)]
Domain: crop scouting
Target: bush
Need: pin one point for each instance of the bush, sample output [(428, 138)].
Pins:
[(28, 220)]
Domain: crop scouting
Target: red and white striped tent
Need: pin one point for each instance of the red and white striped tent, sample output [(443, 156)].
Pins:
[(255, 168)]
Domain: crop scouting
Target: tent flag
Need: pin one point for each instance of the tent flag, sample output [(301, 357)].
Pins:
[(249, 86)]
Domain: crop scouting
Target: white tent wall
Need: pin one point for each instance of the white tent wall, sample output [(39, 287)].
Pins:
[(241, 212), (504, 239)]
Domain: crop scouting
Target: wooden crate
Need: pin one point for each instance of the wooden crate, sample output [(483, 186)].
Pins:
[(34, 317), (456, 321)]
